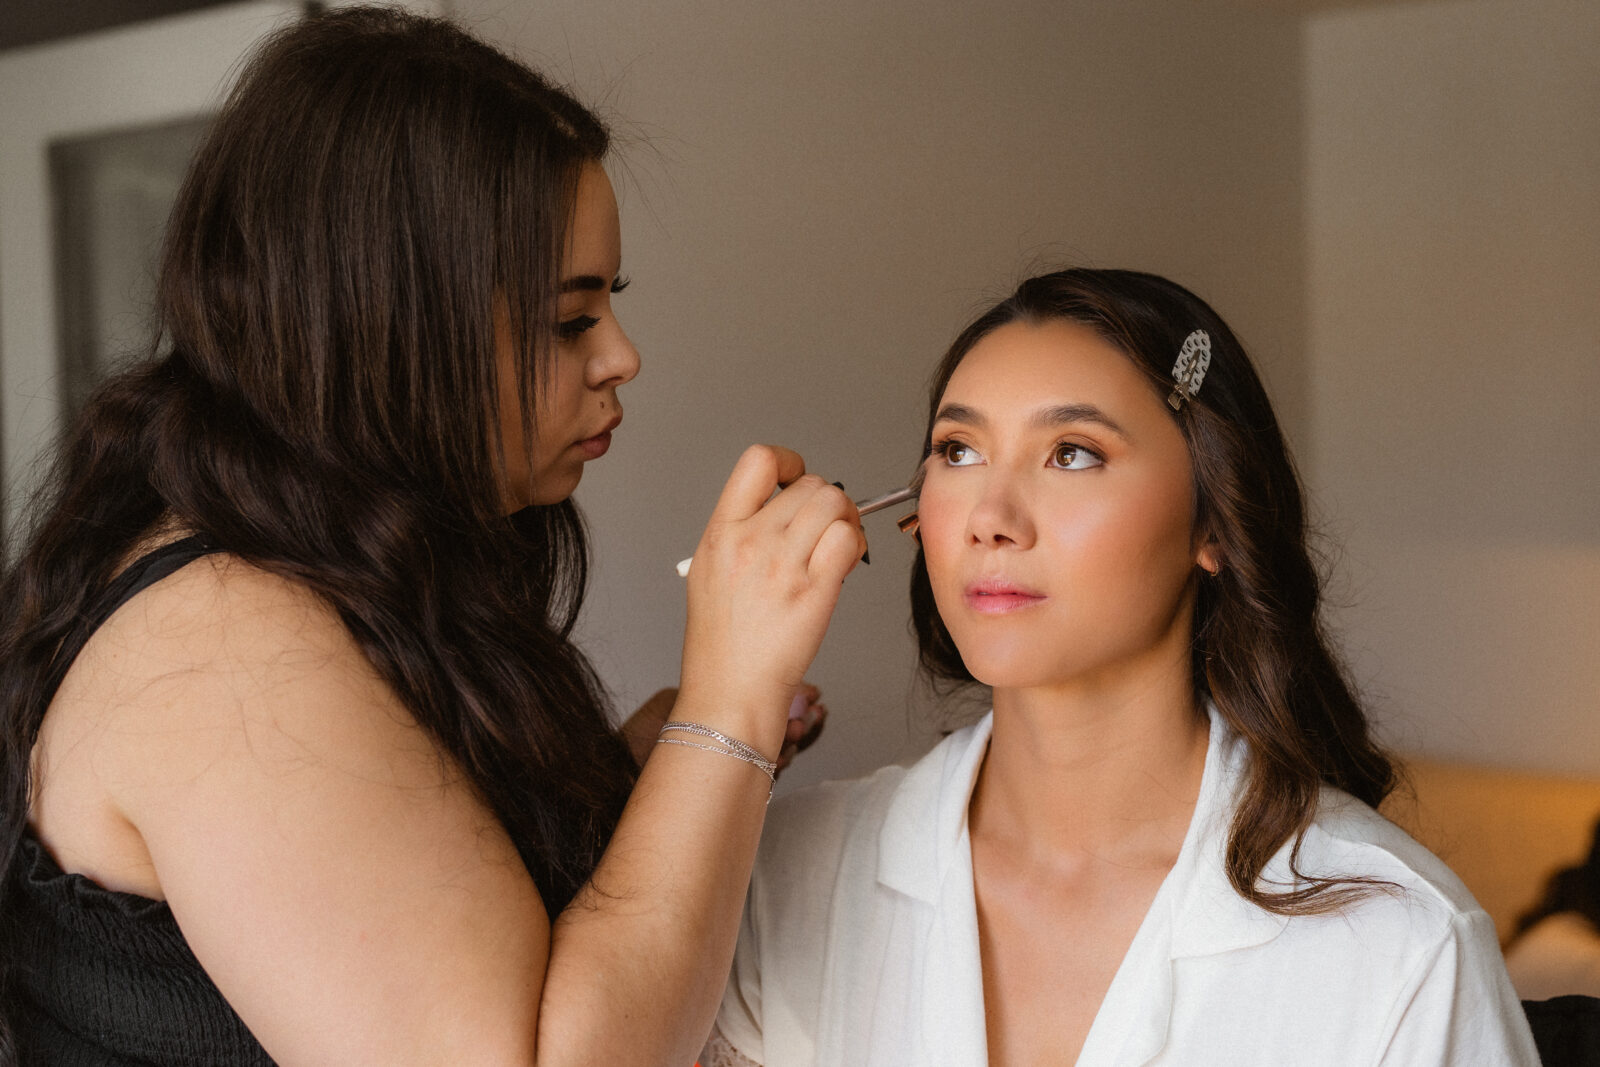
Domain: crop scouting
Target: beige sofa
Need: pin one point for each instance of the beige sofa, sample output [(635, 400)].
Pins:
[(1504, 833)]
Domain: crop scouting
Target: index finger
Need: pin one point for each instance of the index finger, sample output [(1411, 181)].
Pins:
[(757, 475)]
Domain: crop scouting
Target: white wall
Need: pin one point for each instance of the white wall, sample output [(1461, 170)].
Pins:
[(825, 192), (1454, 280)]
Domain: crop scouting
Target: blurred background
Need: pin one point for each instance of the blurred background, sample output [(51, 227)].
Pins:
[(1397, 205)]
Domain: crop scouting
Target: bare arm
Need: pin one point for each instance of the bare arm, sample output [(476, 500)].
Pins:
[(678, 867), (350, 894)]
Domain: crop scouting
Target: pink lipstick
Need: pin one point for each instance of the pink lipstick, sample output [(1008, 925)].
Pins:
[(998, 596)]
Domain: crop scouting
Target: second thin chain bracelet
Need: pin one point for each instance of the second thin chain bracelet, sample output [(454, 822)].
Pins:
[(731, 746)]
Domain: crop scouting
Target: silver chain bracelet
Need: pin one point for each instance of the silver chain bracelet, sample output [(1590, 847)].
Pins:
[(732, 747)]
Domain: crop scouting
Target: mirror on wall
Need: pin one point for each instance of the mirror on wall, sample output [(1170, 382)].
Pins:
[(111, 194), (96, 130)]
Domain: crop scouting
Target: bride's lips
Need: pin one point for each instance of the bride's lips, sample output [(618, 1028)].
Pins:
[(596, 446), (998, 596)]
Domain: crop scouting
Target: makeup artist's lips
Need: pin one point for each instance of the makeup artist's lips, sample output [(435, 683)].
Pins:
[(996, 596), (596, 446)]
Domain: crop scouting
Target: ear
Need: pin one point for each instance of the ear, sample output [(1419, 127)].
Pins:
[(1209, 557)]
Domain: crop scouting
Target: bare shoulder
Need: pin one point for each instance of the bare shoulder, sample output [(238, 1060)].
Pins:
[(220, 622), (221, 660), (312, 841)]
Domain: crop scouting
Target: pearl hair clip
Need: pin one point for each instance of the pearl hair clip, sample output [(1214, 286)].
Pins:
[(1194, 358)]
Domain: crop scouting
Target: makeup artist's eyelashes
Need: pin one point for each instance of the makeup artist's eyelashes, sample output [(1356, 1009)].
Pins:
[(582, 324), (1063, 456), (575, 327)]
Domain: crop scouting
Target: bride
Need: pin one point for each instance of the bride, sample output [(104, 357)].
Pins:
[(1160, 846)]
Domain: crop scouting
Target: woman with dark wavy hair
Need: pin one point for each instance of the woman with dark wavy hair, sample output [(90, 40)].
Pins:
[(299, 763), (1160, 846)]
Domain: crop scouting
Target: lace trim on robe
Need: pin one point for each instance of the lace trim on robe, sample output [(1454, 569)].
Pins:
[(719, 1053)]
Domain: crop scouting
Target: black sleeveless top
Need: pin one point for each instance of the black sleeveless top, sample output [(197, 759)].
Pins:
[(105, 979)]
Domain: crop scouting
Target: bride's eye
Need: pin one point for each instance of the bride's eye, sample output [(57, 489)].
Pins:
[(1074, 458), (957, 454)]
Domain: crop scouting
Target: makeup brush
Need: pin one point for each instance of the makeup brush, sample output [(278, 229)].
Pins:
[(865, 507)]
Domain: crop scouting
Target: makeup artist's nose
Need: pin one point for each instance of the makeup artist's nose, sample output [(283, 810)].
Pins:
[(617, 361), (1000, 517)]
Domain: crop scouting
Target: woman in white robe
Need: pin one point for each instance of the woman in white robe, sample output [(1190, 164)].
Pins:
[(1160, 846)]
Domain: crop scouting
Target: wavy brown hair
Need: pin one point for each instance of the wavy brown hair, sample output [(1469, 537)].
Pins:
[(322, 408), (1260, 653)]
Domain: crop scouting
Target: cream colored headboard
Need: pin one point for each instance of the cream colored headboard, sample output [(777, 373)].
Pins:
[(1502, 832)]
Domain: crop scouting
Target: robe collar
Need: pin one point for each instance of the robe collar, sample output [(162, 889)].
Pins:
[(924, 841)]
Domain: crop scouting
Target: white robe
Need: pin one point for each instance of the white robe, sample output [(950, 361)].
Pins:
[(859, 943)]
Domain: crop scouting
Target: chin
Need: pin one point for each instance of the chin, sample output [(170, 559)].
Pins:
[(555, 489), (1010, 667), (1015, 680)]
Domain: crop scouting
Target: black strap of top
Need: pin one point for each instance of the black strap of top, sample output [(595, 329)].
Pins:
[(139, 575)]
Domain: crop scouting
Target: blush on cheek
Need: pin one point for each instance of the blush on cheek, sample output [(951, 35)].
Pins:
[(939, 528)]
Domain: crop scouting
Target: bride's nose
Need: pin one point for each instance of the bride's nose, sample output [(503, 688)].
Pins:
[(1000, 516)]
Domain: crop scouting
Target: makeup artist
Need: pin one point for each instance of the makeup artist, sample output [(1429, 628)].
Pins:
[(299, 762)]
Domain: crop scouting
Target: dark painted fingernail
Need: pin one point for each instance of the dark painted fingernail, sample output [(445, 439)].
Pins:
[(837, 485), (866, 557)]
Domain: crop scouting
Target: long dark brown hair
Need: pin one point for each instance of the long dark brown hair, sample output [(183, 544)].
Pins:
[(1260, 653), (322, 406)]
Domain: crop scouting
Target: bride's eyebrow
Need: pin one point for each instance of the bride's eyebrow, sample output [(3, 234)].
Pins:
[(962, 414), (1061, 414), (1042, 419)]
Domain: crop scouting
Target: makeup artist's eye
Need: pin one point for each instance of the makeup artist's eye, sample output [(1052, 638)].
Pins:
[(620, 283), (1074, 458), (572, 328), (957, 454)]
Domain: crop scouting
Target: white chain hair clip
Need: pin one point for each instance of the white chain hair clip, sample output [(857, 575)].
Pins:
[(1194, 358)]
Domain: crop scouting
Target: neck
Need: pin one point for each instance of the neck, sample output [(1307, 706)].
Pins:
[(1104, 768)]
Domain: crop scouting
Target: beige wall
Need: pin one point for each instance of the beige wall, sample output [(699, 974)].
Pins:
[(1395, 204), (1454, 281), (825, 192)]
